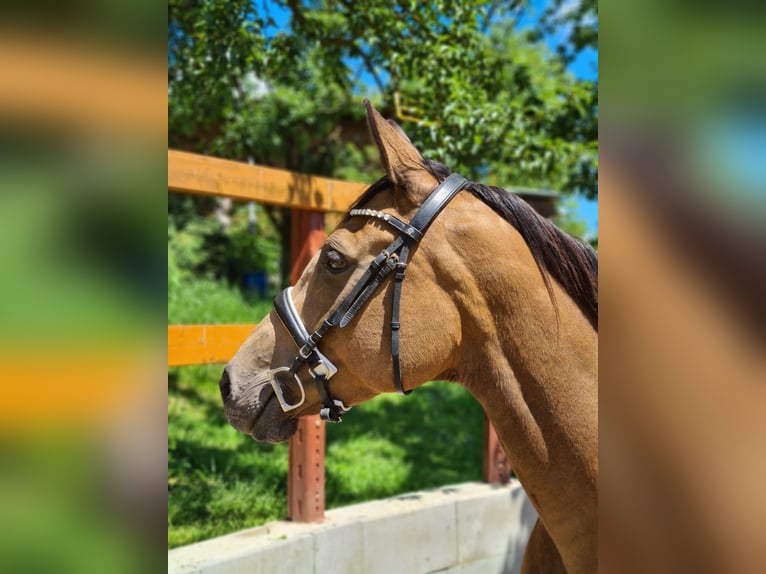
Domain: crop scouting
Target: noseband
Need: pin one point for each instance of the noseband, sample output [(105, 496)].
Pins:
[(393, 257)]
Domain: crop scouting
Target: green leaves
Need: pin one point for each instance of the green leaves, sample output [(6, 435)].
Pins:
[(476, 93)]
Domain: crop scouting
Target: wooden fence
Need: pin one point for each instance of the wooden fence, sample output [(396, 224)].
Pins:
[(309, 197)]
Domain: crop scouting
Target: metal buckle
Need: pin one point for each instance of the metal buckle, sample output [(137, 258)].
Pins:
[(328, 416), (277, 386), (325, 368), (305, 351)]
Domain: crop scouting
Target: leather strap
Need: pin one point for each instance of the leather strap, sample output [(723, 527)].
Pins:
[(437, 201), (368, 291), (307, 352), (394, 257), (401, 267), (377, 264), (285, 308)]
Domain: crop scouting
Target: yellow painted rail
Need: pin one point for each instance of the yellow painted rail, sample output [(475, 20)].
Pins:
[(205, 175), (203, 344)]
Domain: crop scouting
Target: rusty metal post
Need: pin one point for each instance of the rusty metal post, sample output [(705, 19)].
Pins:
[(305, 478), (497, 469)]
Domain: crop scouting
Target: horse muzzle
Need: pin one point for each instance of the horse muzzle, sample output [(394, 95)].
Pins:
[(255, 409)]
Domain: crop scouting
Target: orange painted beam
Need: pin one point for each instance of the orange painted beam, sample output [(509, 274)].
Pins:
[(78, 387), (205, 175), (47, 79), (203, 344)]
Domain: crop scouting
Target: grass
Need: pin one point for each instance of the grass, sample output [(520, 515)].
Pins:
[(220, 480), (207, 301)]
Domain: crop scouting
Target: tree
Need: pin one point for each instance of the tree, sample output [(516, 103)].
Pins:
[(488, 98), (470, 88)]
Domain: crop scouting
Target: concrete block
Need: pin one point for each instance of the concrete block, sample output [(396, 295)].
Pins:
[(494, 565), (412, 541), (294, 556), (463, 529), (485, 524), (277, 549), (524, 516), (338, 549), (495, 523), (182, 568)]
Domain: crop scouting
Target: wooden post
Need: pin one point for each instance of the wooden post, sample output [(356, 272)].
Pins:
[(497, 469), (305, 478)]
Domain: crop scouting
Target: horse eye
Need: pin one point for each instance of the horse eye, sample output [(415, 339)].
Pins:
[(335, 261)]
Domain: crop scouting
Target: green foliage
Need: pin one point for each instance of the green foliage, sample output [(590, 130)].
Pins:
[(220, 480), (397, 444), (203, 247), (211, 44), (195, 299), (488, 99), (581, 21), (357, 164), (566, 220), (365, 467), (207, 301)]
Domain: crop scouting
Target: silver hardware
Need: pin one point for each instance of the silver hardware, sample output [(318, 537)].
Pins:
[(371, 213), (326, 416), (277, 386), (341, 406), (305, 351), (291, 304), (324, 368)]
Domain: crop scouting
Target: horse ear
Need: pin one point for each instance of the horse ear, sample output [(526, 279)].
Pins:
[(401, 160)]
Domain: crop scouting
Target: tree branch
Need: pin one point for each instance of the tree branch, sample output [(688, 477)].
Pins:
[(297, 10), (370, 67)]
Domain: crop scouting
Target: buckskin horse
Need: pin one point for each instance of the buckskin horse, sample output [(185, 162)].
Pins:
[(497, 299)]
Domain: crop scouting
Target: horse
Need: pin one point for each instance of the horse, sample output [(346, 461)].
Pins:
[(497, 299)]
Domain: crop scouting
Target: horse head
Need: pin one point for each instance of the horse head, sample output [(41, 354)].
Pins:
[(352, 283)]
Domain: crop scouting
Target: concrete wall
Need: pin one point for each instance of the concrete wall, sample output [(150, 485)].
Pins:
[(469, 528)]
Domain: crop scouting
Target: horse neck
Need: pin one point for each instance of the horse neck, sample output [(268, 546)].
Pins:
[(533, 369)]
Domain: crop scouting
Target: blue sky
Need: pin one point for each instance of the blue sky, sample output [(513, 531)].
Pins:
[(585, 66)]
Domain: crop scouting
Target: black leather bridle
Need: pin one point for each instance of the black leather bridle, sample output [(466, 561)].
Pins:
[(393, 257)]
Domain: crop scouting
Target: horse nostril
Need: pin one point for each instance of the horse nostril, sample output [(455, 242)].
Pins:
[(225, 385)]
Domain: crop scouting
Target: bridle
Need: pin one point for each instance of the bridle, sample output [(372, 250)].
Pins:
[(393, 257)]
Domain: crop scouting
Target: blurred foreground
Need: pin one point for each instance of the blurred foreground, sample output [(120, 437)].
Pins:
[(683, 276), (82, 350)]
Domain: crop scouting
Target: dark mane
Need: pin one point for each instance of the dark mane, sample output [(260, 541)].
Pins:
[(570, 261)]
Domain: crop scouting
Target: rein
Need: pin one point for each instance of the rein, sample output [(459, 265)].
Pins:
[(392, 258)]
